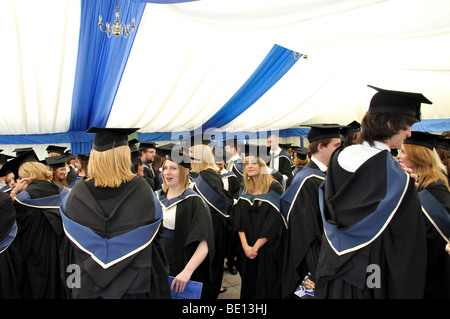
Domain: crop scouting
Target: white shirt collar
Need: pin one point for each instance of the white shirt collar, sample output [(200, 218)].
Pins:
[(321, 165), (380, 145), (277, 151)]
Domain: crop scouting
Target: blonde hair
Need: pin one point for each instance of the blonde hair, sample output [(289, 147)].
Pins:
[(265, 179), (429, 167), (35, 171), (184, 177), (110, 168), (204, 158)]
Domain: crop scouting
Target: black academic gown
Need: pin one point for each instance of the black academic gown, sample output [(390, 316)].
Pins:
[(113, 235), (149, 177), (435, 200), (258, 216), (300, 206), (210, 187), (10, 256), (193, 224), (374, 242), (40, 235)]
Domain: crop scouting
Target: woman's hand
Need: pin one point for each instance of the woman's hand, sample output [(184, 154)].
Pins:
[(250, 252), (21, 184), (180, 281)]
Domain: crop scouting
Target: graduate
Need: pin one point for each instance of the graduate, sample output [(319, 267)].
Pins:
[(11, 263), (70, 172), (231, 184), (300, 207), (148, 153), (188, 239), (112, 222), (234, 163), (374, 242), (81, 164), (36, 200), (301, 159), (418, 153), (280, 160), (210, 187), (230, 181), (57, 166), (350, 133), (261, 227), (9, 180)]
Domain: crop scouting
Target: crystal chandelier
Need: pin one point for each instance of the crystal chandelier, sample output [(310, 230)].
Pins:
[(117, 28)]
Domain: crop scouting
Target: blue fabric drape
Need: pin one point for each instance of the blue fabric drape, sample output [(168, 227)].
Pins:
[(100, 64), (272, 68)]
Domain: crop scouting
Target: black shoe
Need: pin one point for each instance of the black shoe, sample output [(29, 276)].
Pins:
[(223, 289), (232, 270)]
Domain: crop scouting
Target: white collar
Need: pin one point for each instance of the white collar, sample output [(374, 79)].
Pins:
[(277, 151), (380, 145), (235, 157), (321, 165)]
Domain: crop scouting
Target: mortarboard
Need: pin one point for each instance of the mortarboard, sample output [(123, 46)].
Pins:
[(424, 139), (4, 158), (146, 145), (55, 149), (302, 152), (350, 128), (14, 164), (323, 131), (22, 150), (177, 155), (109, 138), (132, 144), (388, 101), (56, 161), (83, 157), (164, 150)]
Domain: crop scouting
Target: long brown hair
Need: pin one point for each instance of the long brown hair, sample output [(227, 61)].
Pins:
[(429, 167)]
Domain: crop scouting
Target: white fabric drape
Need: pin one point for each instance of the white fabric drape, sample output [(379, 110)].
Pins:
[(188, 59), (38, 57)]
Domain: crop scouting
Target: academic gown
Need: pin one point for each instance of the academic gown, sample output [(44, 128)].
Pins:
[(113, 235), (210, 187), (193, 224), (300, 207), (11, 262), (435, 200), (149, 177), (40, 235), (258, 216), (374, 242), (232, 238)]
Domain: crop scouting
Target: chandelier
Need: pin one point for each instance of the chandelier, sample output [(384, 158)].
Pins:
[(117, 28)]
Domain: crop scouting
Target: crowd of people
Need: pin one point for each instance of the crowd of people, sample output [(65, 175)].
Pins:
[(346, 217)]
